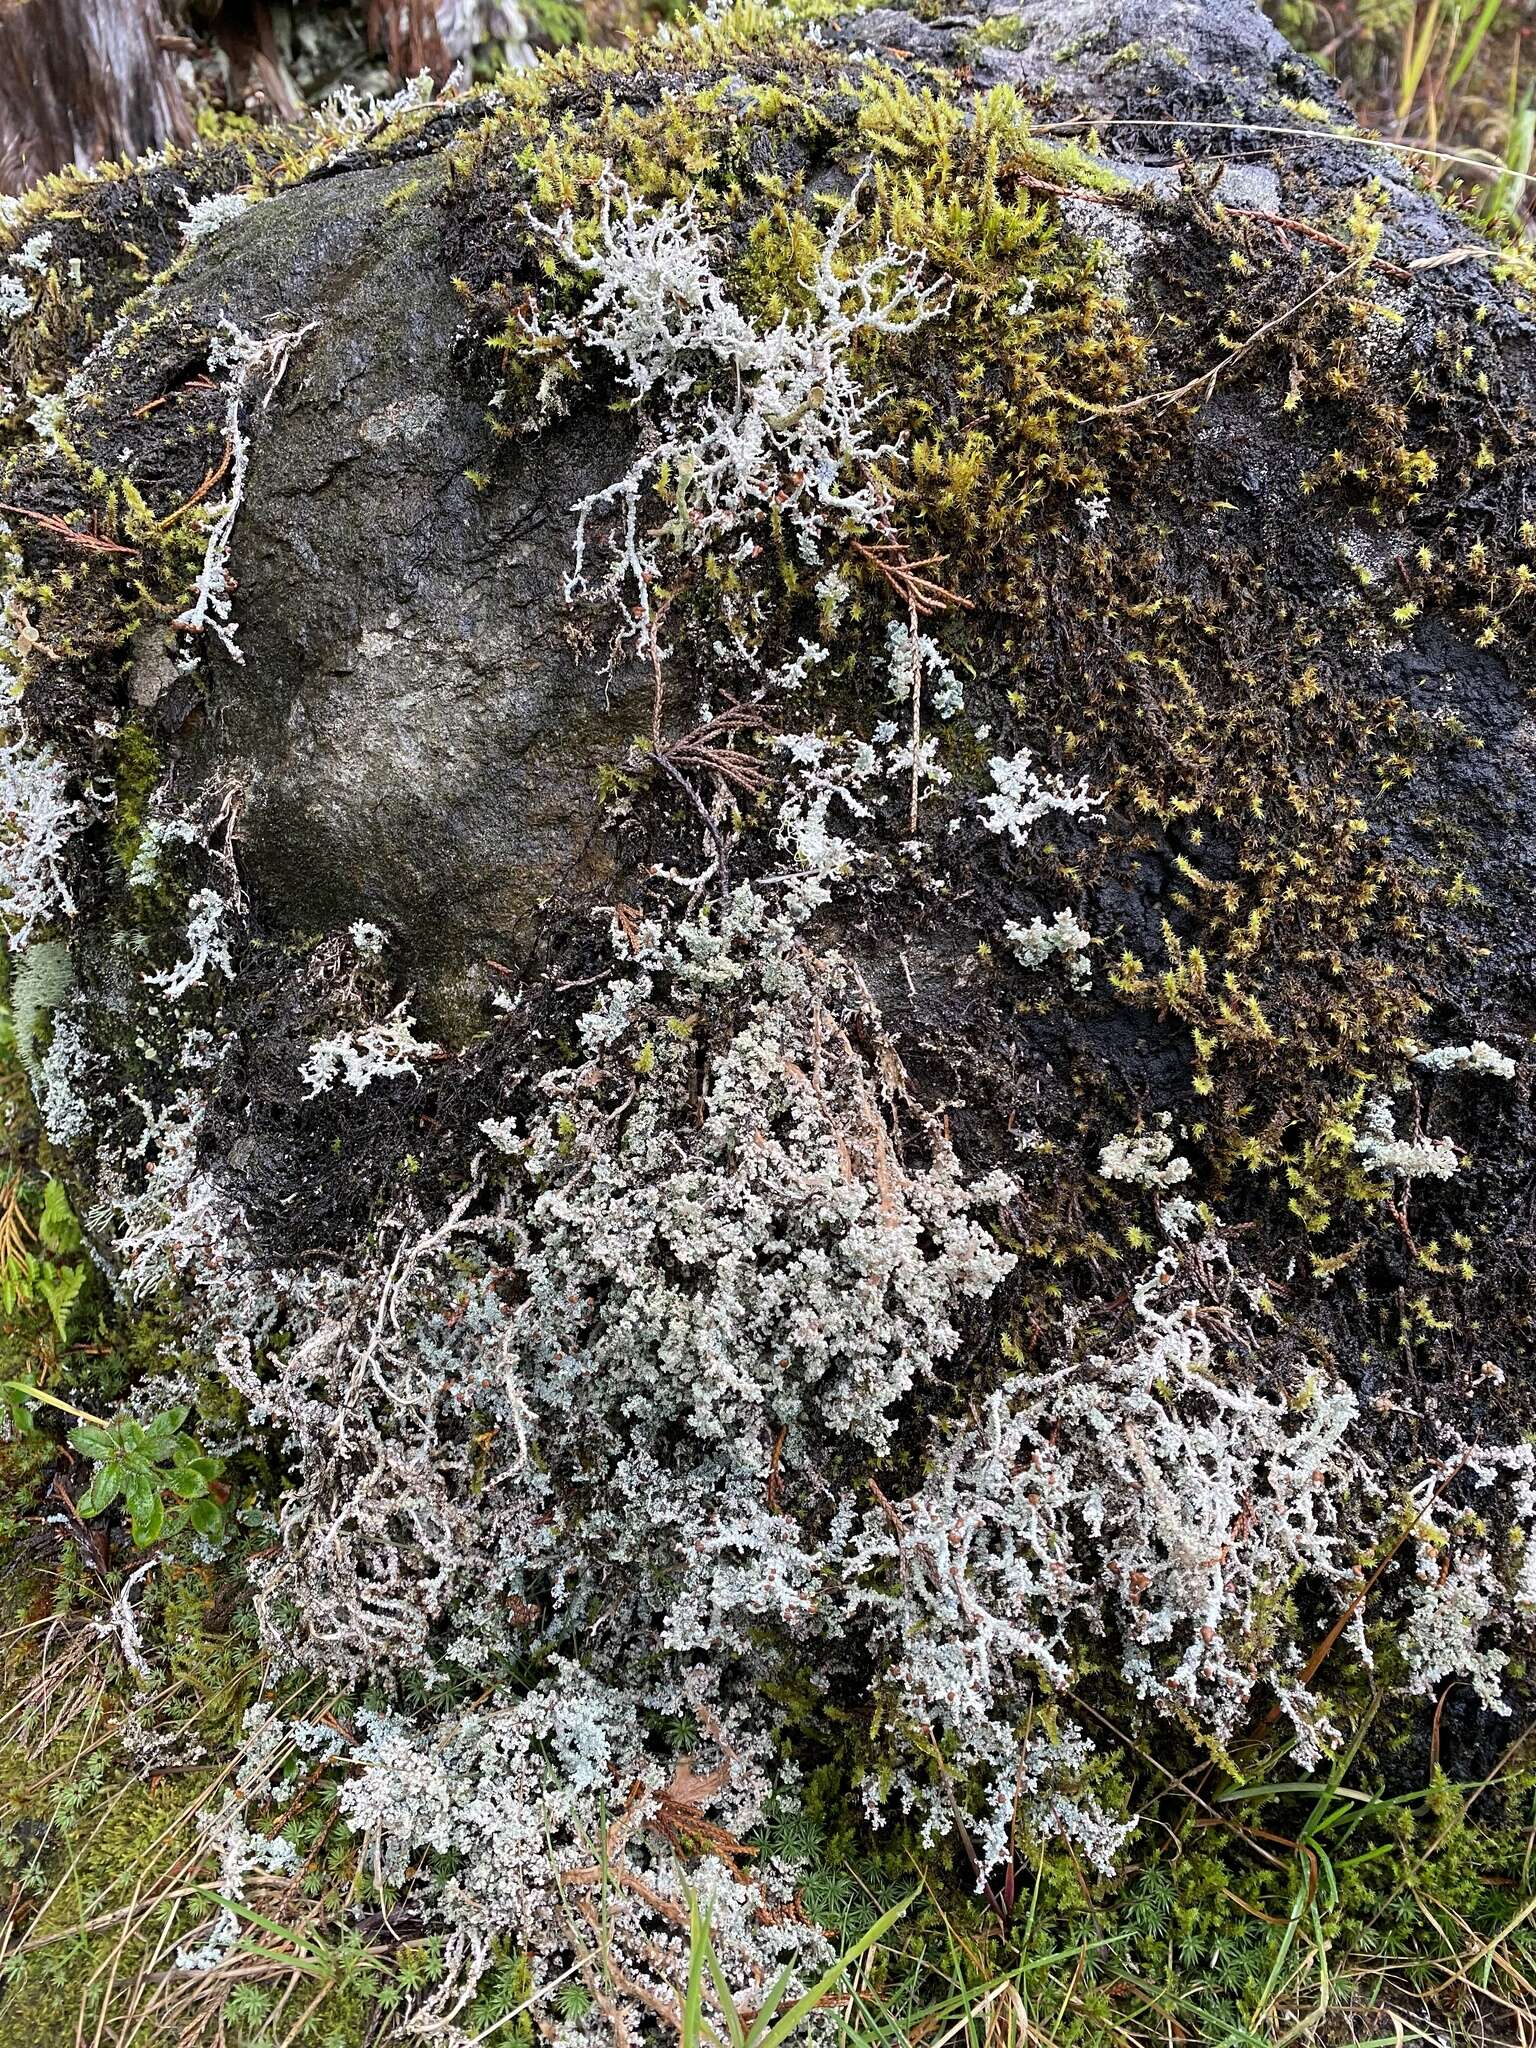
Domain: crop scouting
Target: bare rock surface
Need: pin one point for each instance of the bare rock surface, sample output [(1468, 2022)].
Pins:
[(416, 725)]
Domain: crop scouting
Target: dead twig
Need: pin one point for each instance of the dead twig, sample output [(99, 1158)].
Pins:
[(628, 920), (203, 488), (1283, 223), (708, 748), (15, 1231), (1320, 1654), (917, 711), (50, 522), (142, 412), (1287, 224), (923, 595), (710, 824), (918, 591)]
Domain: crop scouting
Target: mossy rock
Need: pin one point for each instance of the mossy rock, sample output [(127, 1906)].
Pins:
[(1219, 449)]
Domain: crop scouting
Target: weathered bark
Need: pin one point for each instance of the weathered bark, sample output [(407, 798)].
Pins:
[(81, 80)]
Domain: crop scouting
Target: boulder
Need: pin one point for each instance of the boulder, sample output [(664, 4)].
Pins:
[(790, 782)]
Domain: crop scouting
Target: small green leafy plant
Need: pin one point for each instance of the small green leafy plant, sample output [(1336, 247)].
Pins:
[(49, 1275), (162, 1475)]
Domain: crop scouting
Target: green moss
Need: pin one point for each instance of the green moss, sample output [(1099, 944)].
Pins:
[(114, 229), (139, 772), (1002, 32)]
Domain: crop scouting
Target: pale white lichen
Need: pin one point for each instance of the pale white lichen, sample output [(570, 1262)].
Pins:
[(1035, 943), (349, 115), (241, 1853), (546, 1811), (1383, 1151), (1145, 1158), (572, 1396), (1473, 1538), (825, 782), (751, 427), (1446, 1634), (384, 1051), (208, 949), (631, 1396), (1021, 797), (121, 1625), (65, 1077), (917, 659), (1153, 1491), (161, 1211), (1477, 1058), (245, 361), (33, 253), (38, 818), (769, 1262), (205, 217), (160, 831)]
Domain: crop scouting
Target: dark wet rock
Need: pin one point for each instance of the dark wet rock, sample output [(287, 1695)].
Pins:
[(417, 727)]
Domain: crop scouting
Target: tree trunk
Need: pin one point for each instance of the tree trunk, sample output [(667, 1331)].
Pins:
[(81, 80)]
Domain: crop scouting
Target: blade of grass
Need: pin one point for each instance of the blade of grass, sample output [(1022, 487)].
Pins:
[(723, 1993), (309, 1948), (770, 2004), (808, 2001), (693, 1994), (1509, 186), (1418, 42), (1466, 56)]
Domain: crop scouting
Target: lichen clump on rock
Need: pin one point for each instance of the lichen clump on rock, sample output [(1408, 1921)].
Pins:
[(956, 1196)]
